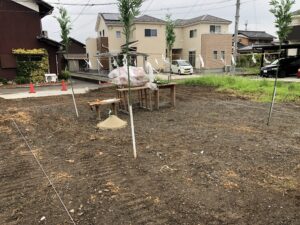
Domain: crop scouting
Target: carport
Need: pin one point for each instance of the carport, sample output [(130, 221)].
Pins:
[(275, 48)]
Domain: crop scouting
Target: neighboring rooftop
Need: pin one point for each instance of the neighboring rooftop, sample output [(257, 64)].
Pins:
[(115, 19), (201, 19), (296, 13), (261, 35)]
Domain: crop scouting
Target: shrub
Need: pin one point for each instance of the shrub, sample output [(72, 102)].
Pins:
[(37, 76), (3, 80), (64, 75), (22, 80)]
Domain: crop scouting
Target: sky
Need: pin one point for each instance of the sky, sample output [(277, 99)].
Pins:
[(253, 12)]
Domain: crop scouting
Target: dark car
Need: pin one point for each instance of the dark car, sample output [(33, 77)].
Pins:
[(287, 67)]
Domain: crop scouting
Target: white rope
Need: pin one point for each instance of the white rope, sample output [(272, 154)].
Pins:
[(40, 165)]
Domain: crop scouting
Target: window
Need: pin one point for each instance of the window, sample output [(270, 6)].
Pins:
[(118, 34), (192, 58), (215, 29), (103, 33), (223, 55), (193, 33), (100, 34), (150, 33), (215, 54)]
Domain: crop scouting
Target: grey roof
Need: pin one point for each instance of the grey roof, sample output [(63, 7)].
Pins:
[(262, 35), (148, 19), (296, 13), (111, 16), (114, 19), (203, 19)]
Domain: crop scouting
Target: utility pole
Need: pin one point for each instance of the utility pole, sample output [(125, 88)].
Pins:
[(237, 18)]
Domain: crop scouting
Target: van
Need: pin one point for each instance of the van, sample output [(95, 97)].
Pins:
[(181, 67)]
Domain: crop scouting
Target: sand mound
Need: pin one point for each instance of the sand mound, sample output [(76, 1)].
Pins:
[(111, 123)]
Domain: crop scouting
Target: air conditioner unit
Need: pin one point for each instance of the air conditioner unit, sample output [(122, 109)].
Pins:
[(227, 69), (50, 77)]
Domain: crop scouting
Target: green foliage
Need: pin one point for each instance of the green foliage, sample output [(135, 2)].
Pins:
[(35, 51), (64, 75), (31, 67), (283, 17), (65, 26), (260, 90), (246, 60), (170, 34), (128, 9), (3, 80), (22, 80)]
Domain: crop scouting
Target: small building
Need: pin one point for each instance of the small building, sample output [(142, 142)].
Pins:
[(20, 24), (77, 57)]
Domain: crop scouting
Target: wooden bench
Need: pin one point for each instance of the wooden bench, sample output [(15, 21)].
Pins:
[(97, 103)]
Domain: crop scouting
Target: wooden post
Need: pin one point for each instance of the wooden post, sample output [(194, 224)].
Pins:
[(98, 112), (173, 95)]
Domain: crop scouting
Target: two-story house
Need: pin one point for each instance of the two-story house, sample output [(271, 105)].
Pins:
[(20, 25), (205, 36), (147, 37)]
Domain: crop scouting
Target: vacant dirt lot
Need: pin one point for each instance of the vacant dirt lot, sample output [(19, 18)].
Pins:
[(210, 160)]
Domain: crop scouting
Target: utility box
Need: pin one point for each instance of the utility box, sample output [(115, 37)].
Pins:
[(227, 69), (50, 77)]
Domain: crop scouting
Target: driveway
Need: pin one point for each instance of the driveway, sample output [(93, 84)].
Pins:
[(80, 87)]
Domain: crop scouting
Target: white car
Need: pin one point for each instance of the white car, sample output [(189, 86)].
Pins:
[(181, 67)]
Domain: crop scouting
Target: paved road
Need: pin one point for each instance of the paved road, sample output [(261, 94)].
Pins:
[(80, 87)]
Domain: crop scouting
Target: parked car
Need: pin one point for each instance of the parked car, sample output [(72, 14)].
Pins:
[(287, 67), (181, 67)]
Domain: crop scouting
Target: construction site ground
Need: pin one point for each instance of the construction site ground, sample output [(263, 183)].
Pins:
[(211, 160)]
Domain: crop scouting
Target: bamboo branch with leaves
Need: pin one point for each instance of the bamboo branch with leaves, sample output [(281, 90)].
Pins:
[(64, 21), (170, 39), (129, 9), (281, 9)]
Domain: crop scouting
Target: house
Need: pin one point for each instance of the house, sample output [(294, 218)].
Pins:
[(204, 36), (207, 36), (247, 39), (20, 24), (294, 36), (76, 58)]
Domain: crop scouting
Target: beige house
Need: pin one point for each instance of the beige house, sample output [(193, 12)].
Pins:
[(205, 36)]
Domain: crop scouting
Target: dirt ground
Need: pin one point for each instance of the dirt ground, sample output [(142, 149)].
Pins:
[(211, 160)]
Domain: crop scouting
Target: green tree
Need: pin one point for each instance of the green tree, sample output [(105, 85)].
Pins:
[(170, 38), (64, 21), (281, 9), (129, 9), (65, 26)]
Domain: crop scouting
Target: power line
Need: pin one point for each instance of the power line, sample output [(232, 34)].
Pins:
[(80, 12)]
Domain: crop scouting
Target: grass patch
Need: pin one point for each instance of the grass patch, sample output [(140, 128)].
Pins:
[(260, 90)]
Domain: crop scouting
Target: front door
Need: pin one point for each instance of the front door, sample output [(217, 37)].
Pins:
[(192, 58)]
